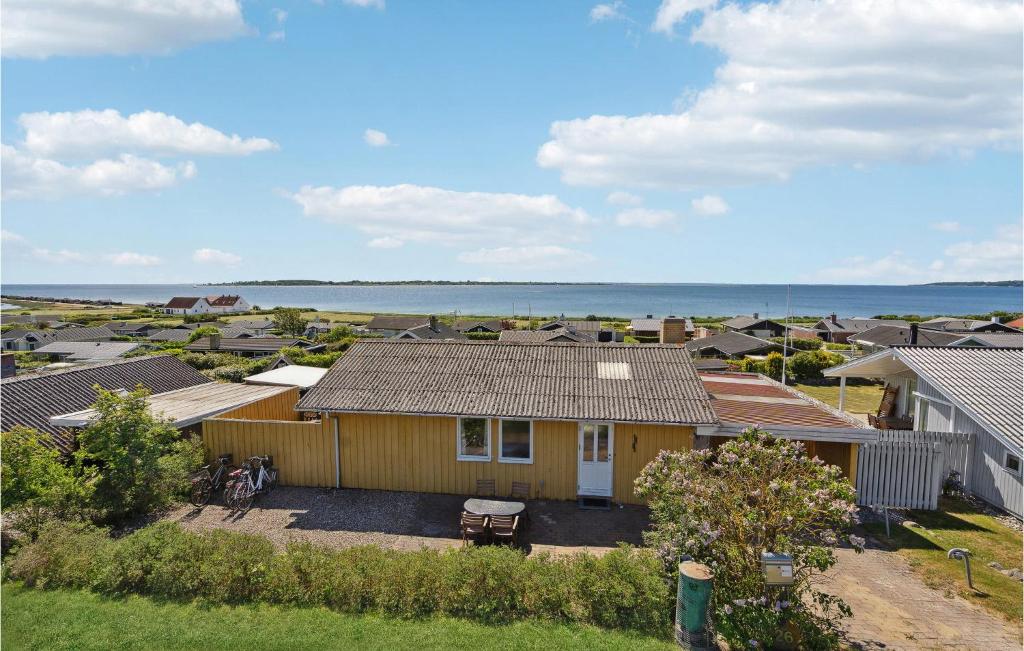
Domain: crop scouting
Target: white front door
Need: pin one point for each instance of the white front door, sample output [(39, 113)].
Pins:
[(595, 459)]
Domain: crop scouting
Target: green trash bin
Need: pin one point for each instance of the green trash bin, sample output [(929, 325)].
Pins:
[(692, 599)]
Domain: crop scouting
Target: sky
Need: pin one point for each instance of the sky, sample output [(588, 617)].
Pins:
[(850, 142)]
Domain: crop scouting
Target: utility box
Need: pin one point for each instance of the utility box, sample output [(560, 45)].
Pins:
[(777, 568)]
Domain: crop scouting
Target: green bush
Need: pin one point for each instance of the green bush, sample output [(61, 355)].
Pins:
[(646, 340), (809, 365), (482, 336), (832, 346), (797, 344), (625, 588)]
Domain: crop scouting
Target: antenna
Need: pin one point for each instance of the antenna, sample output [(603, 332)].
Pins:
[(785, 336)]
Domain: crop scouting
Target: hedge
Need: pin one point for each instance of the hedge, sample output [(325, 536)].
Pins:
[(625, 588), (482, 336), (797, 344)]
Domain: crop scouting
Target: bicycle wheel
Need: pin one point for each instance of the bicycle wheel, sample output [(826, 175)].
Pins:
[(201, 491), (229, 495), (244, 499)]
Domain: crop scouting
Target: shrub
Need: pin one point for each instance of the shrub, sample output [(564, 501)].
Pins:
[(207, 361), (482, 336), (833, 346), (300, 356), (625, 588), (289, 321), (797, 344), (808, 365), (229, 373), (204, 331)]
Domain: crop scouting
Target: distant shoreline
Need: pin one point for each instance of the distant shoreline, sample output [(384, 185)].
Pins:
[(979, 283), (364, 283)]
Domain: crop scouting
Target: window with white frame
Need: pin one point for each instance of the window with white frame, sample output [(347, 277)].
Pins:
[(1012, 463), (474, 442), (515, 441)]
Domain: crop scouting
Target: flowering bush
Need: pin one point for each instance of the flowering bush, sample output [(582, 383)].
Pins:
[(755, 494)]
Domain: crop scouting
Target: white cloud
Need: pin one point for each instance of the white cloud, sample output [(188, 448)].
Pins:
[(946, 227), (535, 257), (414, 213), (710, 205), (130, 259), (276, 36), (817, 83), (673, 11), (376, 138), (7, 237), (44, 28), (619, 198), (376, 4), (280, 15), (215, 256), (28, 177), (62, 256), (385, 243), (89, 134), (996, 259), (646, 218), (607, 11)]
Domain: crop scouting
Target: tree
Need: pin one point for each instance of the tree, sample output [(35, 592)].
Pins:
[(35, 483), (726, 506), (808, 365), (203, 331), (335, 334), (289, 321), (134, 461)]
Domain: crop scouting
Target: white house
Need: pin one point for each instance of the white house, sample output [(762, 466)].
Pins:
[(952, 389), (228, 304), (187, 305)]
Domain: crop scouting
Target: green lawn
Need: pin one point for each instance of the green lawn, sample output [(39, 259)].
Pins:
[(860, 399), (956, 524), (42, 619)]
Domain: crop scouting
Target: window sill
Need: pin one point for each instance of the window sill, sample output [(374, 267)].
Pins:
[(513, 460), (478, 459)]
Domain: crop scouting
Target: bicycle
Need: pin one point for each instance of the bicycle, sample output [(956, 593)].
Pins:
[(242, 489), (204, 483)]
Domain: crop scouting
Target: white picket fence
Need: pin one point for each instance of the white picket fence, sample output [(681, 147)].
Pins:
[(905, 469)]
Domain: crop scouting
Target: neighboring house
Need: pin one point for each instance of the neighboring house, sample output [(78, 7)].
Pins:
[(651, 328), (478, 326), (16, 339), (572, 420), (249, 346), (8, 365), (584, 327), (86, 351), (1016, 323), (201, 324), (754, 326), (171, 334), (316, 328), (31, 399), (886, 336), (127, 329), (991, 339), (949, 324), (836, 330), (187, 305), (730, 345), (29, 318), (292, 375), (389, 326), (954, 389), (234, 332), (542, 336), (259, 327), (433, 329), (227, 304)]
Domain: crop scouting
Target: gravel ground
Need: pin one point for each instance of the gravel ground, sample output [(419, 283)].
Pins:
[(396, 520)]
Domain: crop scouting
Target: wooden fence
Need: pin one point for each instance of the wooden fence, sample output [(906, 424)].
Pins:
[(304, 452), (900, 474), (956, 447)]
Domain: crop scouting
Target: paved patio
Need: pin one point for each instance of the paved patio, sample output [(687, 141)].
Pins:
[(396, 520)]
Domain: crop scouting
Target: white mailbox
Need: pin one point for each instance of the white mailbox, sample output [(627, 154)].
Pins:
[(777, 568)]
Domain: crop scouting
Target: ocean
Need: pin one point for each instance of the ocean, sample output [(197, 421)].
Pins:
[(621, 300)]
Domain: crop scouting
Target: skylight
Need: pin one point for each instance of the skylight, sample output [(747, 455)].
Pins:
[(613, 371)]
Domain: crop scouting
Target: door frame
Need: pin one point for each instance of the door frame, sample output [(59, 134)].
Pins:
[(610, 462)]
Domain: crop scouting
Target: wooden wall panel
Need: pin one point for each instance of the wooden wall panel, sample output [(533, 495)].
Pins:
[(636, 446), (277, 407), (303, 451)]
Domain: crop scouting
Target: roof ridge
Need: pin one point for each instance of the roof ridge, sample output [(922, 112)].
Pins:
[(82, 367), (472, 342)]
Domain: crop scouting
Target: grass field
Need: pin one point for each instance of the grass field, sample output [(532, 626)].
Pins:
[(42, 619), (860, 399), (957, 524)]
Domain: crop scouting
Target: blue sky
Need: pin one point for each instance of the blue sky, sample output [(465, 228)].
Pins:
[(676, 141)]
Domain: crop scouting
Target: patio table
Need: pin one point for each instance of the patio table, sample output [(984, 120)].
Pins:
[(493, 507)]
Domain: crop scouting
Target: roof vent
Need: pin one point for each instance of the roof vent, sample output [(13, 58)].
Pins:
[(613, 371)]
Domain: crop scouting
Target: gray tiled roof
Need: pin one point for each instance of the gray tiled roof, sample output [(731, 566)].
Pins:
[(991, 339), (396, 322), (580, 325), (253, 324), (253, 344), (67, 334), (949, 324), (543, 381), (439, 331), (541, 336), (731, 343), (88, 350), (491, 325), (986, 381), (856, 324), (32, 398), (888, 335), (746, 322), (171, 334)]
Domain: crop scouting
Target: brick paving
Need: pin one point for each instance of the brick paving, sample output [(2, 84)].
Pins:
[(894, 609)]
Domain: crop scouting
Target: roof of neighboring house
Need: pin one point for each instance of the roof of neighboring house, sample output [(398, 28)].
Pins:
[(170, 334), (1016, 323), (711, 364), (183, 302), (87, 350), (856, 324), (187, 406), (745, 399), (250, 344), (30, 399), (986, 383), (730, 343), (322, 326), (580, 325), (651, 384), (225, 300), (28, 318), (396, 322), (887, 335), (491, 325), (101, 333), (129, 326), (201, 324), (253, 324), (744, 322), (950, 324), (439, 331), (293, 375), (990, 339), (645, 325), (233, 332), (541, 336)]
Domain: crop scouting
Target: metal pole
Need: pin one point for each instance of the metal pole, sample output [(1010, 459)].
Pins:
[(785, 335), (887, 533)]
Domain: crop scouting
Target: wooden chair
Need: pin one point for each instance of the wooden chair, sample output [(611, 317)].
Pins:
[(485, 488), (520, 490), (886, 408), (505, 527), (473, 526)]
